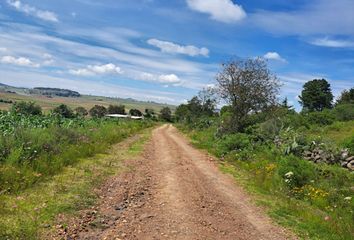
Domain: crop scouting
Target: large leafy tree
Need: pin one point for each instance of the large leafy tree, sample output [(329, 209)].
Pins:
[(249, 87), (316, 95)]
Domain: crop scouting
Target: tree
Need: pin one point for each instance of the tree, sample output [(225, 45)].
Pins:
[(284, 104), (208, 100), (63, 111), (81, 111), (316, 95), (182, 113), (149, 113), (116, 109), (135, 112), (26, 108), (347, 96), (98, 111), (248, 86), (165, 114)]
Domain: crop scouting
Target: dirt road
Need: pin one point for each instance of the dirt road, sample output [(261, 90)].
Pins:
[(173, 192)]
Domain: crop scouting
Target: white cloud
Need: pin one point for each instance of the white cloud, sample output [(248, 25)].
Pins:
[(2, 49), (274, 56), (91, 70), (21, 61), (163, 78), (314, 17), (25, 8), (335, 43), (170, 47), (219, 10), (170, 78)]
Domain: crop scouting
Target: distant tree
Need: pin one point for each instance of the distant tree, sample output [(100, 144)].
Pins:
[(116, 109), (182, 113), (208, 100), (63, 111), (347, 96), (149, 113), (284, 104), (135, 112), (316, 95), (81, 111), (166, 114), (26, 108), (98, 111), (248, 86)]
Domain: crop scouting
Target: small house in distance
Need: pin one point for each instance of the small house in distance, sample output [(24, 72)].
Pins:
[(124, 116)]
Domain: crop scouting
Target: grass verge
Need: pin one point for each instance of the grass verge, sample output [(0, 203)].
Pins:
[(315, 200), (28, 214)]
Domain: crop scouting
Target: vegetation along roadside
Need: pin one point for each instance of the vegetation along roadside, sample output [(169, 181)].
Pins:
[(298, 165), (49, 164)]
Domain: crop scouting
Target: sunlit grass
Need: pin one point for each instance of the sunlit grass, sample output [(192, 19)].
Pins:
[(28, 214)]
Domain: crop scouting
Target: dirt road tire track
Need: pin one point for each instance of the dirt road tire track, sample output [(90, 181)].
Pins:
[(176, 192)]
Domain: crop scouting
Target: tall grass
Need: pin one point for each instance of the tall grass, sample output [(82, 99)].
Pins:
[(35, 148)]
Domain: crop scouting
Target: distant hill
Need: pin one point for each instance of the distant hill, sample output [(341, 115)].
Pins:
[(54, 92), (48, 98)]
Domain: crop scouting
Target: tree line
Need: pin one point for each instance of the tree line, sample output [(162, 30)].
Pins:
[(249, 91), (97, 111)]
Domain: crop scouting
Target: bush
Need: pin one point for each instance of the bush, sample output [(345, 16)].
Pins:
[(350, 144), (63, 111), (81, 111), (26, 108), (98, 111), (135, 112), (344, 112), (233, 142), (296, 172), (116, 109), (325, 117)]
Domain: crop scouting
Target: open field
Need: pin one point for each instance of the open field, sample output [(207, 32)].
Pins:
[(86, 101)]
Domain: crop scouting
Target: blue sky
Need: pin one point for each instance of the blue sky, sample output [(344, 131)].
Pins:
[(167, 51)]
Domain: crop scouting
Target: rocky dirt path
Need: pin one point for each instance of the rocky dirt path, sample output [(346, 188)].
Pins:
[(173, 192)]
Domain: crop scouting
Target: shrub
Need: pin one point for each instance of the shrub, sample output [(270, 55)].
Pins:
[(26, 108), (296, 172), (232, 142), (116, 109), (344, 112), (63, 111), (98, 111), (81, 111), (135, 112), (326, 117)]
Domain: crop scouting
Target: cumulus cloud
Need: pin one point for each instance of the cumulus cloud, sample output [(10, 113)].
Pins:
[(92, 70), (163, 78), (170, 47), (27, 9), (274, 56), (219, 10), (335, 43), (21, 61)]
